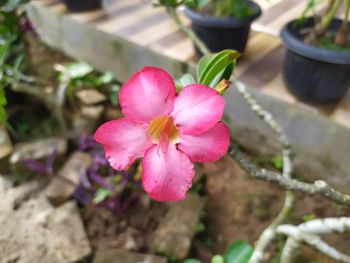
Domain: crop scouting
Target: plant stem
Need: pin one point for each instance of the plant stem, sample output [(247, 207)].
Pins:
[(319, 187), (342, 35), (269, 233), (198, 42), (322, 27)]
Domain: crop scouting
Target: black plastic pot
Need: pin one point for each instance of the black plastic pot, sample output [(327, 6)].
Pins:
[(83, 5), (220, 33), (311, 73)]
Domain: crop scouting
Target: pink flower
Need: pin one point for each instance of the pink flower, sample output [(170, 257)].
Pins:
[(170, 132)]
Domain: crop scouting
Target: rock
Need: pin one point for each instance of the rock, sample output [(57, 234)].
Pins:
[(90, 96), (13, 197), (82, 124), (62, 187), (6, 147), (5, 184), (68, 233), (37, 150), (93, 112), (106, 254), (173, 237), (32, 230), (112, 113)]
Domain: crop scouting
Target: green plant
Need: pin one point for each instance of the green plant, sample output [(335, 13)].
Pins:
[(11, 56), (233, 8), (319, 34)]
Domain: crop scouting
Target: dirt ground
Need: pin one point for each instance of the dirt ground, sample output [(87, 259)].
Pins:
[(238, 208)]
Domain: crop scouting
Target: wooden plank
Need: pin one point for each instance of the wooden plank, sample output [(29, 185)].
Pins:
[(258, 46)]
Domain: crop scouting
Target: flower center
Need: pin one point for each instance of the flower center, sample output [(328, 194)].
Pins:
[(163, 129)]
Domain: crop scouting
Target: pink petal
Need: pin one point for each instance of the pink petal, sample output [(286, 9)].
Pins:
[(197, 108), (124, 140), (209, 146), (148, 94), (166, 176)]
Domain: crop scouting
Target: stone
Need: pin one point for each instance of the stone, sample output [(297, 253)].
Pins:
[(112, 113), (6, 147), (32, 230), (5, 184), (82, 124), (92, 112), (175, 232), (68, 234), (90, 96), (106, 254), (62, 187), (38, 149)]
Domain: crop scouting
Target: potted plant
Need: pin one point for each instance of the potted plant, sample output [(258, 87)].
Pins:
[(83, 5), (317, 62), (222, 24)]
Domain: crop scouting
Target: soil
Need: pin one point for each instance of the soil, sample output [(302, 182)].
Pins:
[(238, 208), (130, 231)]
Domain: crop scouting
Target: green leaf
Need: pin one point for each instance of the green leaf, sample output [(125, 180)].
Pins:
[(191, 260), (217, 259), (100, 195), (12, 5), (78, 70), (200, 227), (277, 162), (309, 217), (105, 78), (214, 67), (3, 115), (203, 3), (3, 100), (238, 252), (184, 81), (114, 94)]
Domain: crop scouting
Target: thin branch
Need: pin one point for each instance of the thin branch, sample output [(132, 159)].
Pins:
[(326, 225), (313, 240), (317, 188), (290, 249), (269, 233), (316, 227), (199, 43)]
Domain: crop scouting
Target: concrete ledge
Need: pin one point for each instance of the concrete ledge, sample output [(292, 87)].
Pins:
[(321, 147)]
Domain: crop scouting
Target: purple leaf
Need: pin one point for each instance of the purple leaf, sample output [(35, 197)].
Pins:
[(35, 166), (102, 182), (82, 195)]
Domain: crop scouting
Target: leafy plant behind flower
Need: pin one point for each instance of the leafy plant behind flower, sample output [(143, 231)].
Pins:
[(11, 48), (319, 31), (222, 8)]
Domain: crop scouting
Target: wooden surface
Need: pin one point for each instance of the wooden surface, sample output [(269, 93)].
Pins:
[(260, 67)]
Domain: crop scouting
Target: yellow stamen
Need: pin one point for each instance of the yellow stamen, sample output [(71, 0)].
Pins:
[(162, 128)]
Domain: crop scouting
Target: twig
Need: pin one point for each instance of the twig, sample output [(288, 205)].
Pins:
[(307, 232), (289, 251), (318, 187), (269, 233), (202, 47)]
